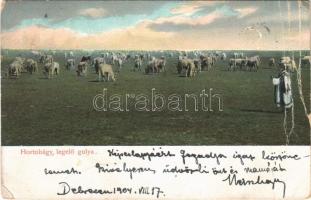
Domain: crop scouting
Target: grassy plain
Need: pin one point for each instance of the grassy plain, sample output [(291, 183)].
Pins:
[(59, 111)]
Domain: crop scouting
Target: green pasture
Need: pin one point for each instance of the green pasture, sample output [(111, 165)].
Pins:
[(59, 111)]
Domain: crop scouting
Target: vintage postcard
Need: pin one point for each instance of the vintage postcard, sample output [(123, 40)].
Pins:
[(155, 99)]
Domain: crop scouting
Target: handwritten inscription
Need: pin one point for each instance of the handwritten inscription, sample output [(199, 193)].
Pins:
[(233, 180), (65, 189), (236, 169), (142, 155), (66, 171), (124, 168), (283, 156)]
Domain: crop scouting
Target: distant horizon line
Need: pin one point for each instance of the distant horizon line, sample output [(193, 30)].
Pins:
[(158, 49)]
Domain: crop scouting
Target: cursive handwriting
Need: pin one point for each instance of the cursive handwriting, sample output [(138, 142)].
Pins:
[(212, 155), (243, 182), (124, 168), (283, 156), (65, 189), (267, 169), (185, 170), (142, 155), (237, 155), (71, 171)]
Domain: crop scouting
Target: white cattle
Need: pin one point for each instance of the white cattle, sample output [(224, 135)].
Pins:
[(236, 63), (31, 66), (82, 68), (119, 63), (105, 72), (223, 56), (97, 61), (252, 63), (15, 69), (50, 69), (287, 63), (138, 63), (70, 64), (306, 60), (71, 54)]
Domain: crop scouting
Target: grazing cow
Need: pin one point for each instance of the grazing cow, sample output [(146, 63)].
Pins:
[(271, 62), (119, 63), (160, 64), (306, 60), (31, 66), (197, 64), (50, 69), (21, 61), (71, 55), (138, 63), (46, 59), (223, 56), (70, 64), (86, 59), (236, 63), (186, 67), (97, 61), (150, 67), (206, 62), (82, 68), (113, 59), (105, 72), (15, 69), (155, 65), (83, 65), (232, 64), (252, 63), (287, 63)]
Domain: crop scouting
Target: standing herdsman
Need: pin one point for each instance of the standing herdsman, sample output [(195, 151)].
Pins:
[(283, 89)]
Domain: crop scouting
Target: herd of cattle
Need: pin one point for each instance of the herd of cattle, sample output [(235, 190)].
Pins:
[(108, 63)]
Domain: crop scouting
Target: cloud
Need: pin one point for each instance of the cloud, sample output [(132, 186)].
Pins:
[(139, 37), (186, 9), (188, 15), (187, 26), (93, 12), (180, 20), (35, 37), (243, 12), (191, 8)]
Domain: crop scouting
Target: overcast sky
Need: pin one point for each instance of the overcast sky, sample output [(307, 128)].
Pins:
[(146, 25)]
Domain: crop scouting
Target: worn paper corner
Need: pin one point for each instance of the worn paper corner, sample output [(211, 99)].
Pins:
[(5, 193)]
